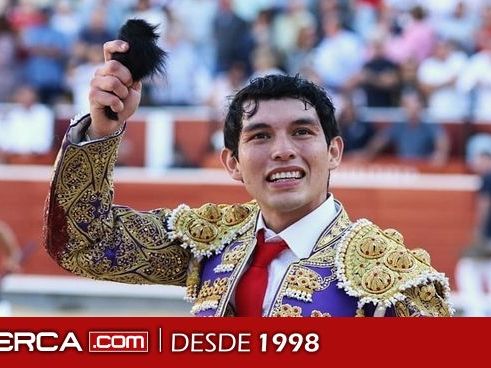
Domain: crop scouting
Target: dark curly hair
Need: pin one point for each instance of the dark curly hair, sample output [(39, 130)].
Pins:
[(273, 87)]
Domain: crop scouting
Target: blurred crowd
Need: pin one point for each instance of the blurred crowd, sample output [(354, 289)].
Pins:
[(366, 53)]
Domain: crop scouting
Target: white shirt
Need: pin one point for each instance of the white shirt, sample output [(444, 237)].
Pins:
[(27, 130), (301, 238), (338, 58), (446, 103), (477, 74)]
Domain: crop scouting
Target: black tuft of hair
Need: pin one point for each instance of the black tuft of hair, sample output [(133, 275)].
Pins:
[(144, 58)]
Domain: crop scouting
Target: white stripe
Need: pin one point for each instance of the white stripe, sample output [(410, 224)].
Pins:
[(388, 179)]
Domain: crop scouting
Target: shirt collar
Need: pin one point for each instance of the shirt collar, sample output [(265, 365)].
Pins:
[(302, 235)]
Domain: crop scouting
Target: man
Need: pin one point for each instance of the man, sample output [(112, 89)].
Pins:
[(473, 270), (413, 139), (282, 142)]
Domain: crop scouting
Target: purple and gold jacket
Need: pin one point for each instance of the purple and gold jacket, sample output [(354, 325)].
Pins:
[(355, 268)]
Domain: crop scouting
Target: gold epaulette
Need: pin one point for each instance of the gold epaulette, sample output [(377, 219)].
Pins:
[(208, 229), (375, 266)]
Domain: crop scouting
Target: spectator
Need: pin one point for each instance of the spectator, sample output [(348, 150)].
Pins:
[(79, 74), (459, 27), (66, 20), (222, 88), (437, 78), (288, 24), (186, 78), (197, 17), (413, 139), (25, 14), (338, 58), (264, 62), (302, 56), (365, 14), (28, 128), (476, 81), (356, 133), (116, 8), (9, 64), (262, 29), (233, 37), (483, 33), (153, 14), (474, 267), (416, 41), (95, 33), (46, 51), (380, 78)]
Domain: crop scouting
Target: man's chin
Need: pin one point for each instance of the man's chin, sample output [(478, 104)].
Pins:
[(286, 203)]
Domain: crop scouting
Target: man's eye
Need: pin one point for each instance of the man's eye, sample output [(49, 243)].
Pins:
[(260, 136), (302, 131)]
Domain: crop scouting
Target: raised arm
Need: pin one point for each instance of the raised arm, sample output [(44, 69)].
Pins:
[(84, 232)]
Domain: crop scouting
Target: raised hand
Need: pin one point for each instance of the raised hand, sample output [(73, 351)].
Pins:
[(113, 86)]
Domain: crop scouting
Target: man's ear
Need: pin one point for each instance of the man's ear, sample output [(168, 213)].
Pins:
[(231, 164), (335, 152)]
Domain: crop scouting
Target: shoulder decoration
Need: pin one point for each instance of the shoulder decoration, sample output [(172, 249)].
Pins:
[(375, 266), (208, 229)]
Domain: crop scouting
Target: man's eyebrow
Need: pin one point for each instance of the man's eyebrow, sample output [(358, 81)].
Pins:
[(255, 126), (305, 121), (297, 122)]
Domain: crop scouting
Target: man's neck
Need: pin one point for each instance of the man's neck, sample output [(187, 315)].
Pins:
[(279, 221)]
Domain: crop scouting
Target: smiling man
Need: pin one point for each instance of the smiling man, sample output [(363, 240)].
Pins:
[(292, 251)]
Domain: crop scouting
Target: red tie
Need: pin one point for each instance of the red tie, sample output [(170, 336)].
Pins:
[(251, 288)]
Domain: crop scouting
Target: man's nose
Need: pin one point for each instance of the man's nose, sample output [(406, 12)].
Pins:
[(283, 149)]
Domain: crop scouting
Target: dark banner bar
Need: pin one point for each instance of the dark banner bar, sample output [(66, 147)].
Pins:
[(240, 342)]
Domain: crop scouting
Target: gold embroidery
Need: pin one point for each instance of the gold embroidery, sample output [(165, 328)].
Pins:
[(424, 300), (201, 231), (340, 224), (287, 310), (374, 266), (301, 283), (360, 312), (372, 247), (422, 255), (377, 280), (193, 279), (400, 260), (394, 235), (210, 212), (316, 313), (206, 237), (324, 251), (402, 310), (232, 257), (426, 292), (235, 214), (210, 294)]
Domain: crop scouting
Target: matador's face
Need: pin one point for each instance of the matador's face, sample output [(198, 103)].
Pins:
[(284, 159)]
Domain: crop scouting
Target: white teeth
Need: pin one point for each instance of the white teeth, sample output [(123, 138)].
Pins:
[(286, 175)]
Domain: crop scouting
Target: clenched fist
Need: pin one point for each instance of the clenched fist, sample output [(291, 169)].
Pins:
[(113, 86)]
